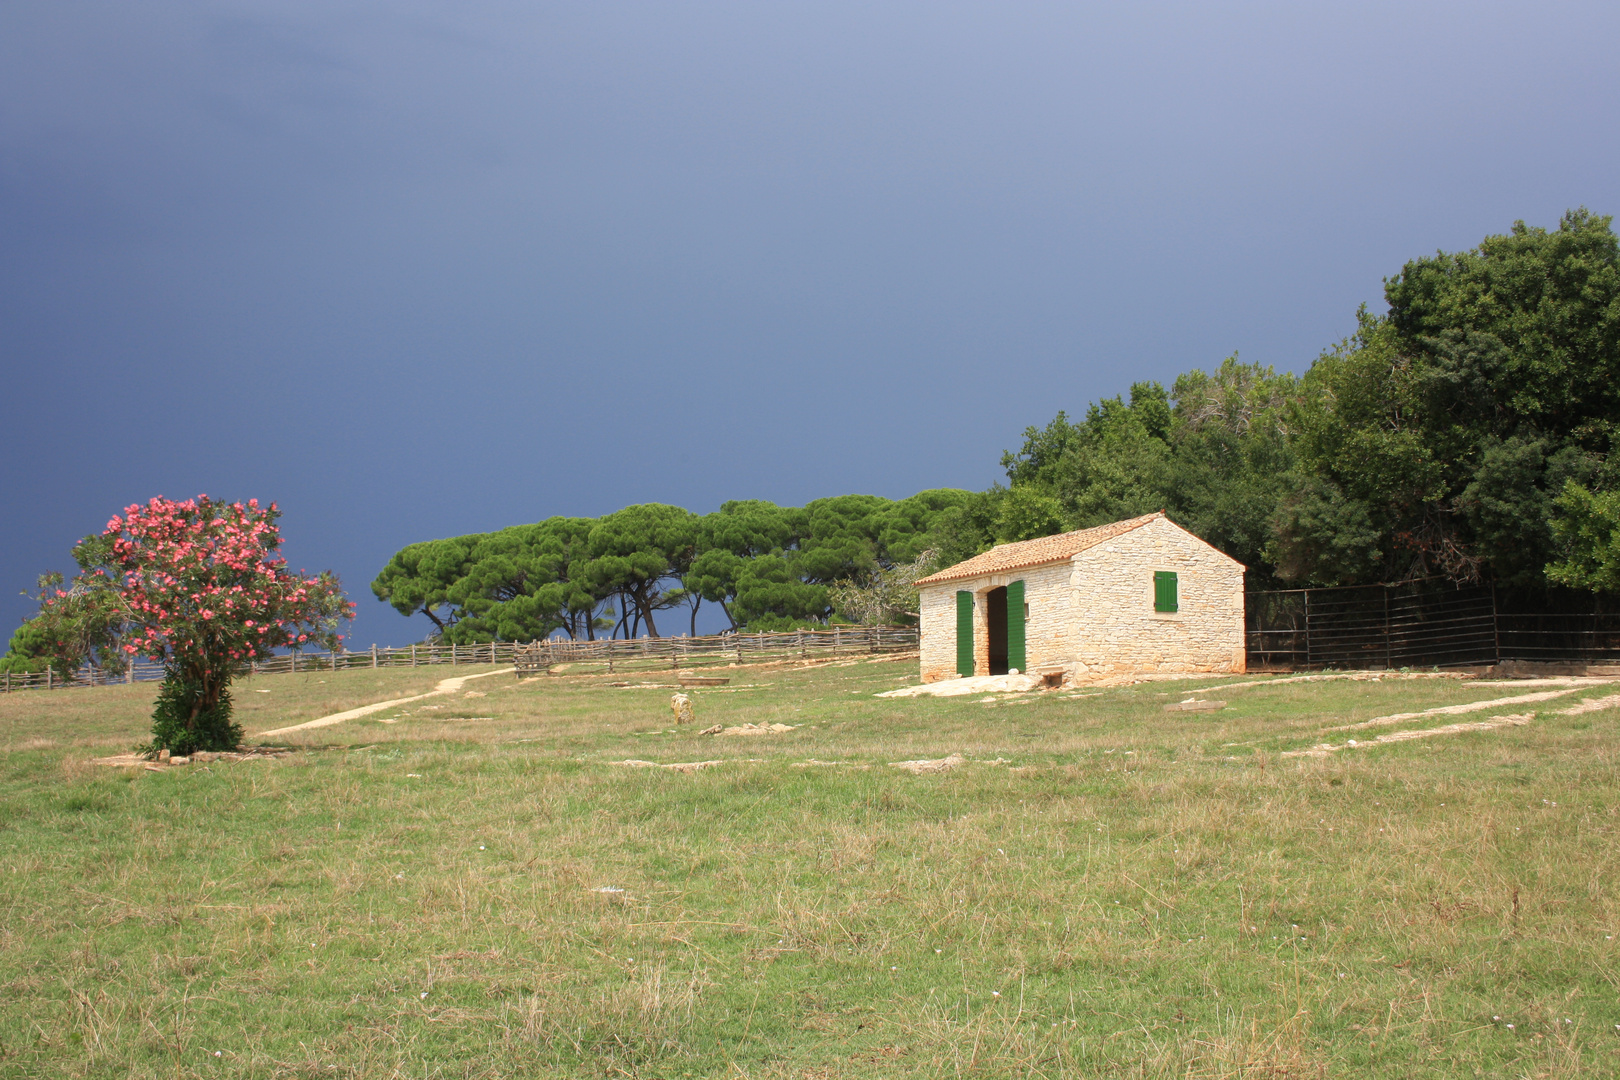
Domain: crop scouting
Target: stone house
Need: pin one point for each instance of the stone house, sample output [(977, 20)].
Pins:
[(1132, 597)]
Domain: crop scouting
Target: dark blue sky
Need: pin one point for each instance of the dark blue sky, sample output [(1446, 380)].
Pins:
[(415, 270)]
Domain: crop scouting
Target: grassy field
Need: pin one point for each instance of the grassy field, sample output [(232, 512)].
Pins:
[(472, 885)]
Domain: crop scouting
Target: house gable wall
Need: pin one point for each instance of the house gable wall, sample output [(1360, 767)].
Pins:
[(1116, 630)]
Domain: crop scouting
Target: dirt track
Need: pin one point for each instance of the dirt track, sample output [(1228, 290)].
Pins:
[(446, 686)]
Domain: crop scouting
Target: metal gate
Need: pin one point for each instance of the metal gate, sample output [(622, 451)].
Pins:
[(1415, 624)]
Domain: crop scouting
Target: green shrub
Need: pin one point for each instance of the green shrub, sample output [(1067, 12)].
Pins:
[(183, 722)]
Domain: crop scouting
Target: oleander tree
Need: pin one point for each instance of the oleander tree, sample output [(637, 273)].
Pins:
[(203, 589)]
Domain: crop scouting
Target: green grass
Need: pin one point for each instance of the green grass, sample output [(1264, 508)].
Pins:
[(1128, 892)]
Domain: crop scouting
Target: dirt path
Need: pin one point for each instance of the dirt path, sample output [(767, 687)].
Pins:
[(1489, 724), (446, 686), (1472, 706), (1324, 749)]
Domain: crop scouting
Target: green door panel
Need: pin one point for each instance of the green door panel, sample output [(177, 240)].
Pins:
[(964, 633), (1015, 626)]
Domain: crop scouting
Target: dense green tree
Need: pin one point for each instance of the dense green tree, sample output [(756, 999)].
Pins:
[(525, 582), (906, 528), (635, 552), (964, 530), (1111, 465), (1446, 438), (1231, 458), (33, 649), (771, 595), (841, 537), (1451, 427), (1523, 332), (765, 565), (419, 577), (1213, 453), (77, 623), (1587, 531), (1028, 511), (1367, 503), (1467, 434), (729, 538)]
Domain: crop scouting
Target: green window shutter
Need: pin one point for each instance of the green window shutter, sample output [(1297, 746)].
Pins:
[(964, 633), (1015, 626), (1164, 590)]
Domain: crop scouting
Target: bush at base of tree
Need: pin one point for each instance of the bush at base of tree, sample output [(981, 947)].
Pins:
[(184, 721)]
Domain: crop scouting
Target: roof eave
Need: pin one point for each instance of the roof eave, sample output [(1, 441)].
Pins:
[(936, 580)]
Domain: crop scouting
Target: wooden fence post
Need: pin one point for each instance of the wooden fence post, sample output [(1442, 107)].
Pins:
[(374, 654), (413, 656), (49, 674)]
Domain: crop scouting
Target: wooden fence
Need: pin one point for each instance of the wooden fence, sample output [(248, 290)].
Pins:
[(140, 671), (613, 654), (677, 652)]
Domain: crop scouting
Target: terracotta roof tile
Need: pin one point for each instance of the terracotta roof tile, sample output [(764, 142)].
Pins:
[(1045, 549)]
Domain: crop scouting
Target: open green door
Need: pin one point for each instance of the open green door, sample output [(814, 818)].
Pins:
[(964, 633), (1015, 627)]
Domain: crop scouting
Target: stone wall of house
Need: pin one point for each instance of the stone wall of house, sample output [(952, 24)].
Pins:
[(1047, 627), (1116, 630), (937, 630), (1092, 617)]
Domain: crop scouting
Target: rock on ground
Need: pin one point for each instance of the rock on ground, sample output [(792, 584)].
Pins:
[(973, 684), (937, 765)]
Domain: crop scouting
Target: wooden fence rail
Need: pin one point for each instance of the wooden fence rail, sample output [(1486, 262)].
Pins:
[(677, 652), (539, 656)]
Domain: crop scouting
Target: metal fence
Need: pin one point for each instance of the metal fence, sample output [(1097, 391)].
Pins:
[(1427, 624)]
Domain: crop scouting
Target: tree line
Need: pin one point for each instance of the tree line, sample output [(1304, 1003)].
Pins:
[(1465, 434), (766, 567)]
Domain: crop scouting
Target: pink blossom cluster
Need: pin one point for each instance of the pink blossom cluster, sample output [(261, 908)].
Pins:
[(203, 583)]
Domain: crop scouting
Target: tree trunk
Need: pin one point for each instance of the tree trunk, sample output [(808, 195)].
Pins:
[(647, 609), (695, 605)]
